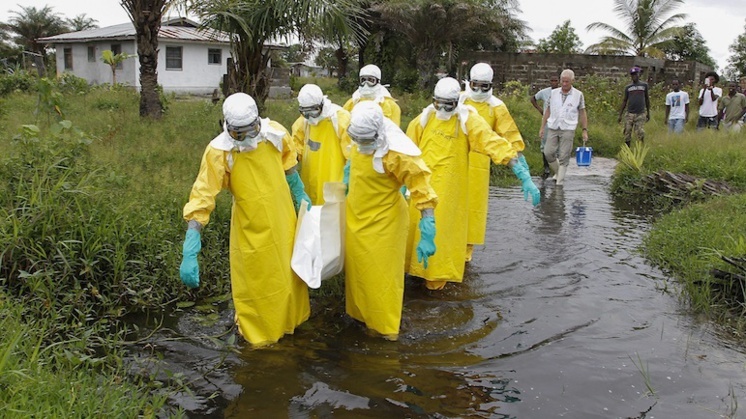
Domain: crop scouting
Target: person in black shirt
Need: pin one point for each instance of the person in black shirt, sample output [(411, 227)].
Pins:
[(637, 104)]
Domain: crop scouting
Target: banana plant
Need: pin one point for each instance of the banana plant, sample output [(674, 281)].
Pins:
[(113, 60)]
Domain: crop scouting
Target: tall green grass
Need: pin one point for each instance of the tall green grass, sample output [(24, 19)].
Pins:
[(61, 380)]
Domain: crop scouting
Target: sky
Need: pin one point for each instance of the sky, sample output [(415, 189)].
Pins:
[(719, 21)]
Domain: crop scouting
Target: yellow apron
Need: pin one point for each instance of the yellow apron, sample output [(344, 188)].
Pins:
[(502, 123), (322, 153), (270, 300), (445, 151), (376, 237)]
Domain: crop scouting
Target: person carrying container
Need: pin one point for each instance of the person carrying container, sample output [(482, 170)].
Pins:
[(383, 159), (255, 159)]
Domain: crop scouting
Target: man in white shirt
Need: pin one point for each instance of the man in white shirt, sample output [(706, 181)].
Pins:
[(708, 102), (566, 109), (677, 108)]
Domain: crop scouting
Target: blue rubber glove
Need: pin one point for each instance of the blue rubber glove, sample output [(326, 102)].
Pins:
[(522, 160), (297, 190), (527, 185), (189, 269), (346, 177), (426, 246)]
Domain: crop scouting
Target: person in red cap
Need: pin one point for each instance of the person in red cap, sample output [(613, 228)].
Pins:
[(637, 103)]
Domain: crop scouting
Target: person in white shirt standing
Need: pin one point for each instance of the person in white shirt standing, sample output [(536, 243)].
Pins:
[(677, 108), (708, 102), (566, 109)]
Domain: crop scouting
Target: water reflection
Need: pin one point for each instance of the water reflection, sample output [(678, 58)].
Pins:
[(554, 318)]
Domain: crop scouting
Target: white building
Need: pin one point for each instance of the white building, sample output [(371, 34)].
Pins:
[(189, 60)]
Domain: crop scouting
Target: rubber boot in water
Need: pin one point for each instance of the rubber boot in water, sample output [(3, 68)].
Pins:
[(561, 175), (555, 167)]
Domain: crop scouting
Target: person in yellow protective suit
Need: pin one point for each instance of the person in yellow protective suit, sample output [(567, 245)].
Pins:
[(255, 159), (478, 93), (382, 159), (320, 135), (372, 89), (446, 132)]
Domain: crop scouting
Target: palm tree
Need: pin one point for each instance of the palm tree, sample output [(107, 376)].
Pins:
[(649, 28), (146, 16), (81, 23), (339, 30), (31, 23), (438, 30), (113, 61), (253, 24)]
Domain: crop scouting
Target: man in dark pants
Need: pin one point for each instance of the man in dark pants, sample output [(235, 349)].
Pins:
[(637, 104), (708, 102)]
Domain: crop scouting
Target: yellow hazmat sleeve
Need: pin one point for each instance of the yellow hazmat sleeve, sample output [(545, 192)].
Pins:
[(415, 175), (506, 127), (212, 178), (483, 139)]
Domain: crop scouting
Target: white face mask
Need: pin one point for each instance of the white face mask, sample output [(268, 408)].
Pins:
[(480, 96), (315, 120), (444, 115), (366, 144), (367, 148), (247, 142), (368, 92)]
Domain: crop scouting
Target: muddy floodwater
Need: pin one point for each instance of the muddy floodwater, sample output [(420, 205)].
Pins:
[(558, 317)]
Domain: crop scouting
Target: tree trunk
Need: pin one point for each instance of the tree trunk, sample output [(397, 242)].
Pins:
[(147, 28), (342, 60), (251, 72), (146, 17)]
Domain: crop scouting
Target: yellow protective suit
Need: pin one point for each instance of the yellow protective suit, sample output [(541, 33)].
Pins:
[(270, 300), (445, 149), (376, 237), (497, 116), (391, 109), (323, 152)]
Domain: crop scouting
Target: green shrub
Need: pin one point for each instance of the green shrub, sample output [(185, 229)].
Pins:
[(70, 84), (20, 81)]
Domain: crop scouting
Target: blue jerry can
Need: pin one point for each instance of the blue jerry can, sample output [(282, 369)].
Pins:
[(583, 156)]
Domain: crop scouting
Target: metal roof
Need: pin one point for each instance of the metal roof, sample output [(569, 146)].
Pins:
[(127, 31)]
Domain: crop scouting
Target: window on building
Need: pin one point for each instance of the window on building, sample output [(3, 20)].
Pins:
[(68, 58), (173, 58), (214, 56), (117, 49), (91, 54)]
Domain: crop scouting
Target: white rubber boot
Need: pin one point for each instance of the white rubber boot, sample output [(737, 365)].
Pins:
[(561, 175)]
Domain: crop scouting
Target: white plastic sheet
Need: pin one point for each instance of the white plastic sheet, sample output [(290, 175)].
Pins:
[(318, 252)]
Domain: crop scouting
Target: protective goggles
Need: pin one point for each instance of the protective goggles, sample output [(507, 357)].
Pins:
[(363, 139), (240, 133), (447, 105), (369, 80), (480, 85), (311, 111)]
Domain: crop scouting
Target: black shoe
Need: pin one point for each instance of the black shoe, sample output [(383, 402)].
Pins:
[(546, 173)]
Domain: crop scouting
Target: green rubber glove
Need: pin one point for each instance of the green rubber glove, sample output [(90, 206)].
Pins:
[(527, 185), (189, 269), (426, 246), (297, 190)]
